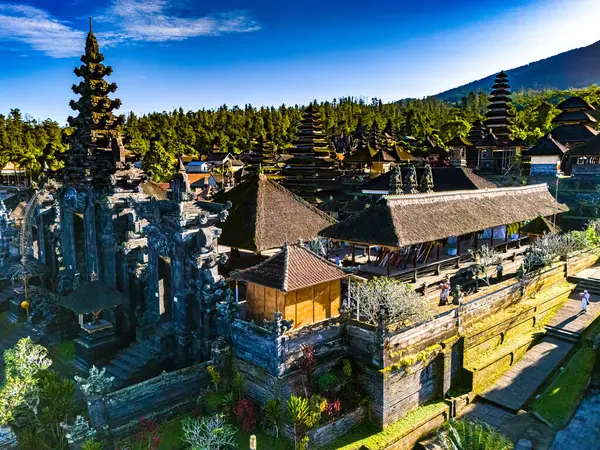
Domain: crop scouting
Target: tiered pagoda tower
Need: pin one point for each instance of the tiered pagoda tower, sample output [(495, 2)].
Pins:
[(477, 132), (311, 172), (575, 123), (261, 158), (95, 152), (499, 115), (361, 157)]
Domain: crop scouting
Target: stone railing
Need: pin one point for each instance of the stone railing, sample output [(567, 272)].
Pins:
[(161, 398)]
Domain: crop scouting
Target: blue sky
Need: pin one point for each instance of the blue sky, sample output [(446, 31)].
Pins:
[(202, 54)]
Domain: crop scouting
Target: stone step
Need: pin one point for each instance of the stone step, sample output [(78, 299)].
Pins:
[(125, 366), (132, 359), (119, 374), (562, 334)]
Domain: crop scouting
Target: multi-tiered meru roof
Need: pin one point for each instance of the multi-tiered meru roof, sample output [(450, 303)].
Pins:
[(499, 114), (95, 153), (575, 123), (261, 158), (311, 172)]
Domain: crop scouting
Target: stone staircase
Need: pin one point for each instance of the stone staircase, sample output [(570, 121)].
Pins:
[(138, 362), (592, 285)]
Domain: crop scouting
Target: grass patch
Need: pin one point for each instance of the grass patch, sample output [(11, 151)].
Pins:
[(485, 358), (558, 402), (376, 439), (263, 441), (66, 349)]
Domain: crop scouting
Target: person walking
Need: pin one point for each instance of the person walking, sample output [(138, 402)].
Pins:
[(499, 270), (585, 301)]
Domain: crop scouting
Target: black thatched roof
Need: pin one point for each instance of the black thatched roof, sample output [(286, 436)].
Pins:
[(444, 179), (575, 102), (547, 146), (292, 268), (93, 296), (573, 133), (403, 220), (265, 215), (539, 226), (589, 148), (359, 156), (458, 141), (574, 116)]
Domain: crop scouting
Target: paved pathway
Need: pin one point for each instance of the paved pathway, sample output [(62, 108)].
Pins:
[(487, 412), (583, 432), (570, 318), (513, 390)]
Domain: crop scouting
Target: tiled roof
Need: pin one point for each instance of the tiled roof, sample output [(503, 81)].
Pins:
[(294, 267)]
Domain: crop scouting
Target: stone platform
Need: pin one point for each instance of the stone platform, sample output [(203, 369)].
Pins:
[(583, 432)]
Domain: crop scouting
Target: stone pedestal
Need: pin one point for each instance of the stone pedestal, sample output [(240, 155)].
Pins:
[(16, 313), (96, 346)]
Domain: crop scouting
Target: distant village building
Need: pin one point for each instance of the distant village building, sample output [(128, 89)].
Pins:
[(14, 176), (197, 167)]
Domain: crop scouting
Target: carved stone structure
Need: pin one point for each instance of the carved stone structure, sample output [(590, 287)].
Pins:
[(104, 229)]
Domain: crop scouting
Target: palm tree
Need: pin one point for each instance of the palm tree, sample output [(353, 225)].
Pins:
[(467, 435)]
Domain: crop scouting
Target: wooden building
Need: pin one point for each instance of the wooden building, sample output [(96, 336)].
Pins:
[(584, 160), (303, 286), (411, 229)]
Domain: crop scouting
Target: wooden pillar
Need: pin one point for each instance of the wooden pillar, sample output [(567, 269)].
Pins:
[(476, 239), (368, 253), (353, 253), (438, 251), (457, 245), (492, 238)]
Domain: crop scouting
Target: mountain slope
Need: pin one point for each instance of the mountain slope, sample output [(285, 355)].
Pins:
[(573, 69)]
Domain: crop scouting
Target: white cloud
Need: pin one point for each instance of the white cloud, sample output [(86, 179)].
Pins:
[(130, 21), (155, 21), (39, 30)]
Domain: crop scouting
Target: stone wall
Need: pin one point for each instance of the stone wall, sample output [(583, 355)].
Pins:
[(325, 434), (161, 398), (406, 368)]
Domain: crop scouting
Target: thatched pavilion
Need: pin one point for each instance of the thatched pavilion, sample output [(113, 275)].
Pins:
[(413, 228), (301, 285), (265, 215)]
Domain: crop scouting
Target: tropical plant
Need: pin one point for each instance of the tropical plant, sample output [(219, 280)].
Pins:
[(92, 444), (299, 414), (347, 368), (326, 381), (209, 433), (215, 376), (26, 359), (307, 363), (388, 300), (273, 416), (246, 414), (467, 435), (237, 385)]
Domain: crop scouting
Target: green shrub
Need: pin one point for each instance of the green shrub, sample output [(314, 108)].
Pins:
[(326, 381), (273, 416), (91, 444), (467, 435), (347, 368)]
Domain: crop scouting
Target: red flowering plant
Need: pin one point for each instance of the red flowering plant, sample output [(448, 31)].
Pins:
[(149, 436), (333, 409), (246, 414)]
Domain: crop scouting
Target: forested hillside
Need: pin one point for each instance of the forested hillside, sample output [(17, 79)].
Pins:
[(576, 68), (158, 138)]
